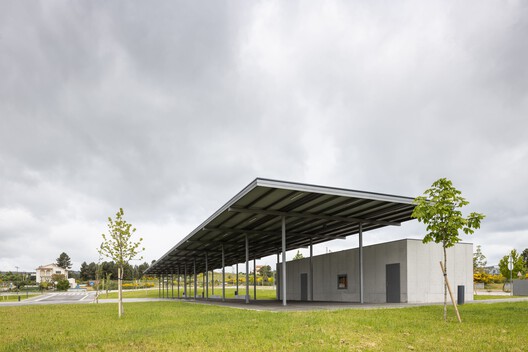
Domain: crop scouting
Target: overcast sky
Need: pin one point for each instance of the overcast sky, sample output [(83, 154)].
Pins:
[(169, 108)]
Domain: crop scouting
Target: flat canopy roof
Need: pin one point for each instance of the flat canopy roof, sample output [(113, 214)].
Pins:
[(313, 214)]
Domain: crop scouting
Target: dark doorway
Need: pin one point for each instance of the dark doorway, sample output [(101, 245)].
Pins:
[(393, 283), (304, 287)]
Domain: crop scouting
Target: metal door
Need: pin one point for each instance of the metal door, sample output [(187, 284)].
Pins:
[(393, 283), (304, 287)]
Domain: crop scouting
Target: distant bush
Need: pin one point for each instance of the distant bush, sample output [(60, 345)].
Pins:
[(132, 285), (487, 278), (63, 285)]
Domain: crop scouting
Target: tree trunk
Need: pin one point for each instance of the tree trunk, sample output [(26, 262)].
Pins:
[(445, 283), (120, 292)]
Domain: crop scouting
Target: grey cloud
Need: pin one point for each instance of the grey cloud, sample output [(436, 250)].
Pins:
[(170, 109)]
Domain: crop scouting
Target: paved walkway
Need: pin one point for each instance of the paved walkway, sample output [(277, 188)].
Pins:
[(276, 306)]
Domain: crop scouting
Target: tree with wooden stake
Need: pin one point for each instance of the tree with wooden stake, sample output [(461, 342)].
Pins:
[(119, 247), (439, 208)]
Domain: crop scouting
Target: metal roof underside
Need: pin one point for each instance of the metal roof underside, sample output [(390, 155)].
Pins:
[(315, 213)]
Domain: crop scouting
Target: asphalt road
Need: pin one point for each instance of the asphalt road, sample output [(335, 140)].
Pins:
[(56, 298)]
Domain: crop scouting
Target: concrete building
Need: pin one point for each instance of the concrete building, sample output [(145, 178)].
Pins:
[(44, 272), (400, 271)]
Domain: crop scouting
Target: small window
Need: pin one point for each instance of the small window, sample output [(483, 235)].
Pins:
[(342, 282), (58, 272)]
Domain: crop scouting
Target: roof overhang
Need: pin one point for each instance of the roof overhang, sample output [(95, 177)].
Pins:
[(314, 214)]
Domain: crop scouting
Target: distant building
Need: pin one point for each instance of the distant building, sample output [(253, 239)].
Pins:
[(492, 270), (44, 273)]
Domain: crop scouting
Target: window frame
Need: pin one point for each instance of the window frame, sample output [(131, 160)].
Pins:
[(339, 283)]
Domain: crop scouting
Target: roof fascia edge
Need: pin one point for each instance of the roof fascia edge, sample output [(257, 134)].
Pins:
[(302, 187)]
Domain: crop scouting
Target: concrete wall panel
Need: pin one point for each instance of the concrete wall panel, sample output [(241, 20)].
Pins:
[(421, 279)]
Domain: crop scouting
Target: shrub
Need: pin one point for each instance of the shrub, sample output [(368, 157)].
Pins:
[(487, 278), (63, 285)]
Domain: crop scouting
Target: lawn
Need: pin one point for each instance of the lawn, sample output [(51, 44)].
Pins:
[(14, 297), (176, 325), (262, 293), (483, 297)]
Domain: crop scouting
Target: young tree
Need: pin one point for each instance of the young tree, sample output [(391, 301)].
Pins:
[(518, 265), (298, 255), (479, 260), (524, 255), (439, 209), (64, 261), (265, 272), (119, 247)]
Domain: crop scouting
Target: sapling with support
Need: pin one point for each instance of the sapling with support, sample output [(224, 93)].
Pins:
[(119, 247), (439, 208)]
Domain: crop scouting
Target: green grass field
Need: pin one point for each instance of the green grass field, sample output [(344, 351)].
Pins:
[(175, 325), (483, 297), (14, 298), (263, 293)]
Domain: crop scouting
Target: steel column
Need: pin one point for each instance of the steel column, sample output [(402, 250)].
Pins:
[(361, 292), (172, 284), (159, 285), (206, 277), (179, 281), (223, 274), (311, 271), (247, 270), (276, 279), (212, 282), (195, 281), (283, 271), (185, 281), (238, 293), (255, 279)]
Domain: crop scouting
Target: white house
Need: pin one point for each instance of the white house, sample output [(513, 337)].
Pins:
[(44, 272), (399, 271)]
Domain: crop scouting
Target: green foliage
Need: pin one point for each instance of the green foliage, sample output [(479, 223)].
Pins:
[(524, 255), (63, 285), (485, 278), (265, 272), (64, 261), (439, 209), (88, 271), (57, 277), (120, 248), (518, 265), (298, 255), (118, 245), (479, 260)]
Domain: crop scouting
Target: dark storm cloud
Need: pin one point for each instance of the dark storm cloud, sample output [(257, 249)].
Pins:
[(169, 109)]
